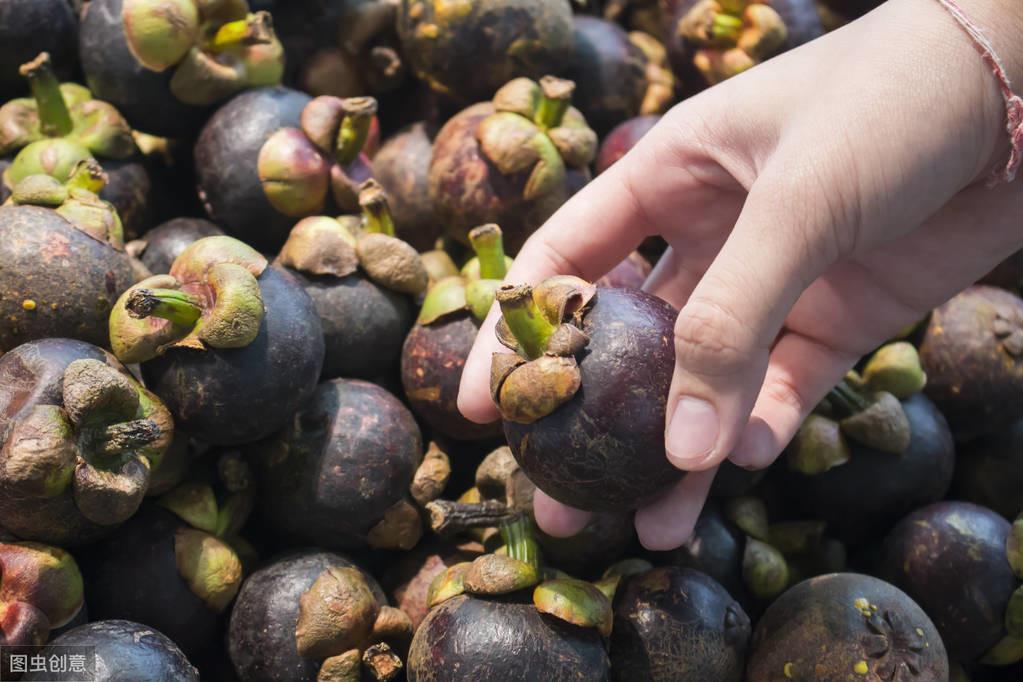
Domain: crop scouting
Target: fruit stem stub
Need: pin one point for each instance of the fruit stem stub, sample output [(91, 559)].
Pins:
[(174, 306), (54, 117), (489, 247), (555, 98), (255, 29), (354, 130), (524, 319), (376, 212), (519, 541)]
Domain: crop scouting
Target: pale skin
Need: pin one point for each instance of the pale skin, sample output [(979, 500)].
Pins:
[(814, 206)]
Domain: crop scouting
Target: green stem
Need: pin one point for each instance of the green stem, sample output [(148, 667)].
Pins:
[(54, 117), (255, 29), (726, 28), (172, 305), (87, 174), (519, 541), (351, 136), (524, 319), (489, 246), (734, 7), (847, 399), (555, 98), (376, 213)]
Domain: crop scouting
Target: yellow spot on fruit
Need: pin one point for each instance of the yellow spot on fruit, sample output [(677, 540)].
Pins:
[(788, 670), (863, 606), (861, 668), (28, 304), (920, 631)]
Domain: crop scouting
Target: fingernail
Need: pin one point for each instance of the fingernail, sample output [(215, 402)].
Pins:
[(692, 432)]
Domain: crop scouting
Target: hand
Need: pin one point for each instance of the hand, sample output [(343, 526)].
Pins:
[(813, 206)]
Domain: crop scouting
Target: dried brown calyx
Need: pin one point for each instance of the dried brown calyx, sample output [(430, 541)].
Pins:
[(543, 325), (731, 36), (215, 48), (40, 590), (99, 445), (338, 247), (211, 298)]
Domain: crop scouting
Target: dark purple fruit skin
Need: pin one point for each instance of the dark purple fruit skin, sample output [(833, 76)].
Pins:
[(348, 455), (989, 472), (226, 155), (73, 279), (28, 27), (133, 574), (622, 138), (124, 651), (130, 189), (1008, 274), (603, 450), (631, 273), (402, 166), (961, 579), (363, 324), (976, 383), (852, 9), (166, 241), (114, 75), (261, 634), (239, 395), (465, 638), (467, 190), (587, 553), (609, 73), (677, 624), (816, 628), (861, 499), (715, 548), (33, 374), (431, 369)]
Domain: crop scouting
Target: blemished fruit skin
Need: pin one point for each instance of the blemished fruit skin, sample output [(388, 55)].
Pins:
[(603, 450), (402, 166), (166, 241)]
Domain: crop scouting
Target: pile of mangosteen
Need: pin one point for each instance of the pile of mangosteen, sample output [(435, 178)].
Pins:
[(245, 249)]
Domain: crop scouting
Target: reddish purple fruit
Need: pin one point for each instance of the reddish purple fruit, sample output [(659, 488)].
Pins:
[(623, 138)]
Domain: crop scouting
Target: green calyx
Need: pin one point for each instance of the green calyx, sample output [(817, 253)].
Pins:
[(536, 131), (730, 36), (42, 577), (294, 175), (59, 112), (209, 566), (210, 299), (896, 369), (215, 49), (764, 569), (339, 127), (575, 601)]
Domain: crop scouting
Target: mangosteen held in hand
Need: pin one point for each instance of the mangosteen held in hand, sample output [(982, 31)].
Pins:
[(79, 438), (158, 248), (313, 616), (845, 626), (436, 349), (491, 620), (583, 397), (338, 475), (402, 166), (873, 451), (511, 161), (163, 63), (972, 351), (677, 624), (468, 51), (64, 264), (28, 27), (40, 591), (363, 282), (120, 650), (230, 343), (622, 138), (962, 563)]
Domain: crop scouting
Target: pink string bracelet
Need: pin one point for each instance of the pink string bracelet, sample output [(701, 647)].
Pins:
[(1013, 102)]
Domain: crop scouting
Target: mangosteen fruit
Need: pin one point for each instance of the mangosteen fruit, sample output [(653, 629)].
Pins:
[(631, 273), (845, 626), (469, 51), (164, 63), (622, 138), (436, 349), (851, 9), (64, 263), (181, 579), (972, 351), (583, 396), (618, 75), (732, 480), (79, 438), (989, 471), (158, 248), (312, 616), (851, 464), (120, 650), (41, 590), (231, 344), (494, 619), (957, 560), (511, 161), (338, 475), (362, 280), (402, 166), (676, 623), (28, 27), (710, 40)]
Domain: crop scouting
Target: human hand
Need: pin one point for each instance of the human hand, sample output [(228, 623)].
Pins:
[(813, 206)]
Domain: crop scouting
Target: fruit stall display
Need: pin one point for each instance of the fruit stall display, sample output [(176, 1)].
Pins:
[(245, 249)]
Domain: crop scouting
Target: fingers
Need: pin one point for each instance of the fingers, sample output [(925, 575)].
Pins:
[(556, 519), (668, 521)]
